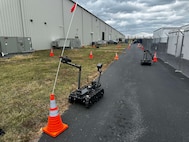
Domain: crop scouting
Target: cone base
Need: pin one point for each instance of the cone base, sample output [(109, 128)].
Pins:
[(54, 134), (116, 58), (155, 60), (51, 55)]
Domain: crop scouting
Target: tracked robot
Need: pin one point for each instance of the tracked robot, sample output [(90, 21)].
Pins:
[(147, 58), (88, 94)]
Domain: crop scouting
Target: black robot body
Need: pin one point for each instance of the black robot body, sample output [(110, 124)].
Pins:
[(147, 58), (88, 94)]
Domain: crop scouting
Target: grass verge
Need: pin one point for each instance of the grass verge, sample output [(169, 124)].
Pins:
[(26, 82)]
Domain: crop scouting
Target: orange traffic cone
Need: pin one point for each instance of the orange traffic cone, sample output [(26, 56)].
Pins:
[(155, 57), (116, 57), (118, 45), (54, 126), (129, 46), (91, 55), (51, 53), (138, 45), (142, 47)]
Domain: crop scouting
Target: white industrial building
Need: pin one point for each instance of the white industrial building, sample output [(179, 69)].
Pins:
[(34, 24)]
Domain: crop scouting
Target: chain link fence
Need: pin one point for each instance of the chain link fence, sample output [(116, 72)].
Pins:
[(175, 51)]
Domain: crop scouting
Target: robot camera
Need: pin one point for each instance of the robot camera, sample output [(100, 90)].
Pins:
[(65, 59), (99, 66)]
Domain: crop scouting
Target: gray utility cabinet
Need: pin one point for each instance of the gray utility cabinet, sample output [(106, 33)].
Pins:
[(10, 45), (70, 43)]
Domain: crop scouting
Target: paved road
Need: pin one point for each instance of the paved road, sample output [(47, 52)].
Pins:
[(140, 104)]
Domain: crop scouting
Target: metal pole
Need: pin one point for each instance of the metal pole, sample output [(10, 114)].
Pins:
[(180, 56), (62, 53), (166, 54), (79, 78), (177, 44), (99, 77)]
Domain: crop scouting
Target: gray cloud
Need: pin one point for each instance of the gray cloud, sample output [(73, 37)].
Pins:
[(156, 2), (139, 16)]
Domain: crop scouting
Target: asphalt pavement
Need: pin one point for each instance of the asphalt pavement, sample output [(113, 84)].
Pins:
[(140, 104)]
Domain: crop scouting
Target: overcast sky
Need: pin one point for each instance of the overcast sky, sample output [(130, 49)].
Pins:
[(139, 17)]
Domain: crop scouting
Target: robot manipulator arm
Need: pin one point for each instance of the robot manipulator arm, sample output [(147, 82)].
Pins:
[(99, 66), (65, 59)]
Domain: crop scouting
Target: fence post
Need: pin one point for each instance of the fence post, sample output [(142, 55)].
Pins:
[(181, 55)]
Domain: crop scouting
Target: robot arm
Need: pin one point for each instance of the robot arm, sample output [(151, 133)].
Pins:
[(147, 51), (99, 67), (68, 61), (65, 60)]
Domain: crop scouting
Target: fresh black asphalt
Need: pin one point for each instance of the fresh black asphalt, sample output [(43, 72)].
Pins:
[(140, 104)]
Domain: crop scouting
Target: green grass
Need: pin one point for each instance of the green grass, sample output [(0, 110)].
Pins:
[(26, 82)]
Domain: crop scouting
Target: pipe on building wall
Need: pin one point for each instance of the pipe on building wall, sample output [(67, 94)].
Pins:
[(22, 17), (82, 27), (63, 28), (92, 30)]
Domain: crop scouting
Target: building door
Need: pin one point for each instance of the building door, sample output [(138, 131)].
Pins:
[(103, 35)]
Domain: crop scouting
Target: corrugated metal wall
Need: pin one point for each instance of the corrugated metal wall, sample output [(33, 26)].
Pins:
[(76, 27), (87, 28), (48, 20), (43, 21), (10, 18), (96, 29)]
